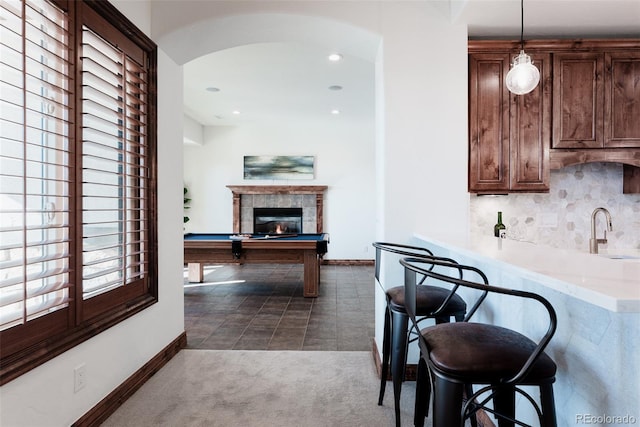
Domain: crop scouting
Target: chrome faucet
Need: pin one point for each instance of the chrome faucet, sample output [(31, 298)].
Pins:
[(593, 241)]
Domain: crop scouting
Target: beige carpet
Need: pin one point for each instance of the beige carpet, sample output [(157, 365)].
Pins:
[(264, 388)]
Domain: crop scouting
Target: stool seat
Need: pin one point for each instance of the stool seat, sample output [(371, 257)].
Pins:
[(481, 353), (428, 300)]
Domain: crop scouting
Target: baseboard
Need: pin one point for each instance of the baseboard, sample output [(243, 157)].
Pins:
[(410, 370), (348, 262), (107, 406)]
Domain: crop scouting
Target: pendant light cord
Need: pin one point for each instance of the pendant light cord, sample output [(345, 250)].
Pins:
[(521, 24)]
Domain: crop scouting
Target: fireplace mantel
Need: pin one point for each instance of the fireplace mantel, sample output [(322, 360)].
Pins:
[(277, 189), (239, 190)]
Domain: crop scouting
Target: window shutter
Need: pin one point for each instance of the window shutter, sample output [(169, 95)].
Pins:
[(78, 229), (115, 170), (35, 157)]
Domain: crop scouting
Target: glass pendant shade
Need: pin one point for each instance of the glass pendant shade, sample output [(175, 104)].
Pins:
[(523, 76)]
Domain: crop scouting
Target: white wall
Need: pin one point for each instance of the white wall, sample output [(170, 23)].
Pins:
[(193, 131), (422, 140), (425, 121), (44, 396), (344, 161)]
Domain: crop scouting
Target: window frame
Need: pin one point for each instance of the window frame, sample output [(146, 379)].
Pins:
[(36, 342)]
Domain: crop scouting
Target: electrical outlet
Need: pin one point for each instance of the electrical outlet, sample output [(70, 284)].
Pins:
[(79, 377)]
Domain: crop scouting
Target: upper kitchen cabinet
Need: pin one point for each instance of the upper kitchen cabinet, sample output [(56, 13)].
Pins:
[(585, 109), (622, 99), (578, 100), (509, 135), (488, 123), (596, 99), (530, 132)]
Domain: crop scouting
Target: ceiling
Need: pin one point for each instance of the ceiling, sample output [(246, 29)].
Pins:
[(276, 83), (280, 82)]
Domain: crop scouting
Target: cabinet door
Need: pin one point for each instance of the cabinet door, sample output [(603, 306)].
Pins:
[(622, 99), (488, 123), (578, 100), (530, 135)]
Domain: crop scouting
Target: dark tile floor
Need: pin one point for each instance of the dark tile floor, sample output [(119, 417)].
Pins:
[(261, 307)]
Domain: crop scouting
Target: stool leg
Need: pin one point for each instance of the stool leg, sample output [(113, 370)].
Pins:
[(399, 325), (504, 402), (386, 346), (423, 392), (447, 402), (473, 420), (548, 406)]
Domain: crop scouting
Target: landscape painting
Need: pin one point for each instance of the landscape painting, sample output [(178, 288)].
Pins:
[(278, 167)]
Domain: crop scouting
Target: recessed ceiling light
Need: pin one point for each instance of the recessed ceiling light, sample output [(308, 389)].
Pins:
[(236, 112), (335, 111), (335, 87), (335, 57), (212, 89)]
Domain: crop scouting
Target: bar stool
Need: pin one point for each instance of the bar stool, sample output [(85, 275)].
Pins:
[(433, 302), (463, 354)]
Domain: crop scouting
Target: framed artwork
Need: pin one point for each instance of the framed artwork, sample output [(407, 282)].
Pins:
[(278, 167)]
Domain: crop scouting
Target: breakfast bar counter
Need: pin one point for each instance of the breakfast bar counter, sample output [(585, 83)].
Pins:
[(597, 300), (608, 280)]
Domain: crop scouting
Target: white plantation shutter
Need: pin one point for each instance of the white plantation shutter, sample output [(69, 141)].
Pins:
[(35, 176), (114, 167), (77, 176)]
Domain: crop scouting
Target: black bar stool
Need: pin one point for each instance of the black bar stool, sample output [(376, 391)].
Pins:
[(463, 354), (433, 302)]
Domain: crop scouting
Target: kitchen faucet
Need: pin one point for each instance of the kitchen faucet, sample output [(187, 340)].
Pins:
[(593, 241)]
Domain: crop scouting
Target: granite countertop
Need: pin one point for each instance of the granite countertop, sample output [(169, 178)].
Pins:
[(613, 284)]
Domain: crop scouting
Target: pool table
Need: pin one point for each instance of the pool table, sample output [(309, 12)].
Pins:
[(208, 248)]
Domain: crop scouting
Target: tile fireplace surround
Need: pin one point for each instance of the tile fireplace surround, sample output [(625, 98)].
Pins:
[(308, 197)]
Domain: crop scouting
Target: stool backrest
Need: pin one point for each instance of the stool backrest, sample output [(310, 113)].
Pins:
[(427, 268), (415, 267), (402, 250), (398, 249)]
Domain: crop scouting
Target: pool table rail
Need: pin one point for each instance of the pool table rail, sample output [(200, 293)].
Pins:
[(305, 249)]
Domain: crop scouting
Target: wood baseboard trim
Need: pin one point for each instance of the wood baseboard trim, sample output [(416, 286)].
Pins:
[(410, 370), (376, 357), (348, 262), (107, 406)]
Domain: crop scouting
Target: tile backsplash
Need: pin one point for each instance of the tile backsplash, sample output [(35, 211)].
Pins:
[(562, 217)]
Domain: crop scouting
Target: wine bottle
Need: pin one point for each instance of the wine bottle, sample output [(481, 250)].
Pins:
[(499, 230)]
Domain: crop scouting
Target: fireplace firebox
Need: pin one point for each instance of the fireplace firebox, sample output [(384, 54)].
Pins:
[(277, 220)]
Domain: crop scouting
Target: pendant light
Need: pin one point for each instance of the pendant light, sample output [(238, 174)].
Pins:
[(523, 76)]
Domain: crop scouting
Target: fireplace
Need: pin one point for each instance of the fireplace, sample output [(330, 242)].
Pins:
[(277, 220), (308, 197)]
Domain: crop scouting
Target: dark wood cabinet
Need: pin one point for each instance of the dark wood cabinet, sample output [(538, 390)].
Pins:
[(530, 132), (622, 99), (578, 100), (585, 109), (488, 123), (508, 134), (596, 99)]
